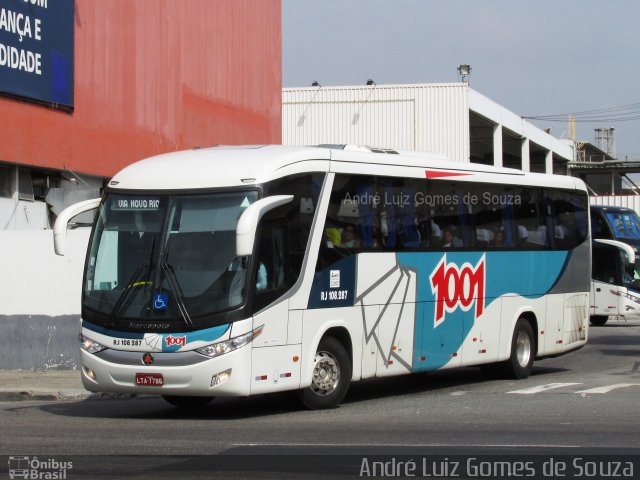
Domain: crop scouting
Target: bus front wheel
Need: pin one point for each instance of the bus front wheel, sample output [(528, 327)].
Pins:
[(331, 376), (520, 362), (598, 320), (188, 403)]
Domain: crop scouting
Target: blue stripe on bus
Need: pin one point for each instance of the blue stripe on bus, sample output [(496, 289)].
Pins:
[(208, 335)]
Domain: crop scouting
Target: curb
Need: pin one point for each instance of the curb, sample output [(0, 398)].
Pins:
[(39, 395), (7, 395)]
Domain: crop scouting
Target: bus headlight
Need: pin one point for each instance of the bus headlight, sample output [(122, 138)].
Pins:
[(220, 348), (90, 346)]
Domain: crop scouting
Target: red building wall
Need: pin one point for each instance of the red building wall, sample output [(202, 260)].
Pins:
[(153, 76)]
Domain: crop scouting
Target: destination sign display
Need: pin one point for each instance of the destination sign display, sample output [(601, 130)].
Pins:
[(136, 203)]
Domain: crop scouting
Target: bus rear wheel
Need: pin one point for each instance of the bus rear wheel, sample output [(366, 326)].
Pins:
[(520, 362), (598, 320), (331, 376), (188, 403)]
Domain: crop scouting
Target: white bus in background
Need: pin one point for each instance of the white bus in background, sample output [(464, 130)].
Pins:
[(615, 223), (615, 285), (236, 271)]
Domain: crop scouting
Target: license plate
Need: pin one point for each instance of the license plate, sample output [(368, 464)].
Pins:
[(149, 379)]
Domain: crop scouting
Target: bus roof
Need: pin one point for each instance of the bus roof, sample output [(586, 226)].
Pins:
[(230, 166), (611, 208)]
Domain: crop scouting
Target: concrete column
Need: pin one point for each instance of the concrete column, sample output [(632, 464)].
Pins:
[(548, 162), (526, 157), (497, 145)]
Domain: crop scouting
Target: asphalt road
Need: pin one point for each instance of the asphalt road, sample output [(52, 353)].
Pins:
[(583, 403)]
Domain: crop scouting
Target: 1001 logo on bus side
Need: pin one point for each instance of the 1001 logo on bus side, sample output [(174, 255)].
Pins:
[(458, 287)]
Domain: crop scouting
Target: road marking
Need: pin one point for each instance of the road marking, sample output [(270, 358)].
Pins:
[(608, 388), (416, 445), (543, 388)]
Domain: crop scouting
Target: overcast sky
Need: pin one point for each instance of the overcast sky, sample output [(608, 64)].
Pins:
[(535, 57)]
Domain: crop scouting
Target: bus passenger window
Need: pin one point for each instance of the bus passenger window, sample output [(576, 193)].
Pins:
[(353, 219)]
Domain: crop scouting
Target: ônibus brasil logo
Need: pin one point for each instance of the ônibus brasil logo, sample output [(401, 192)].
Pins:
[(457, 287)]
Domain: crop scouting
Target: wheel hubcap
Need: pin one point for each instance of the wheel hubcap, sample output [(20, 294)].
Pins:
[(326, 374), (523, 349)]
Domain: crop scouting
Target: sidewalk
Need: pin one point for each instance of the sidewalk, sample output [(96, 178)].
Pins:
[(46, 385)]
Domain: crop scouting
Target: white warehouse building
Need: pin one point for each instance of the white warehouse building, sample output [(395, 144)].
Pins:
[(448, 118)]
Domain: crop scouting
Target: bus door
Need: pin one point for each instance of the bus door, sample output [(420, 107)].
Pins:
[(272, 352)]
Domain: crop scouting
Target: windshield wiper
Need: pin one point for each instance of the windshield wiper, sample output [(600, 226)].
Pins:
[(150, 260), (174, 285), (178, 294), (131, 284)]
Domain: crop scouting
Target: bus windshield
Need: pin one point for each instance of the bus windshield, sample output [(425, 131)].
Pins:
[(625, 224), (166, 256)]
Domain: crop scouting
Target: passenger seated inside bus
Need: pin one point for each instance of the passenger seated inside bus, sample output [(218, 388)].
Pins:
[(449, 240), (345, 237), (332, 237), (498, 239), (261, 278), (436, 233), (349, 239)]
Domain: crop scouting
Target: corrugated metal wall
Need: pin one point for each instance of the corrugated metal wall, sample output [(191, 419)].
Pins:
[(433, 117), (629, 201), (153, 76)]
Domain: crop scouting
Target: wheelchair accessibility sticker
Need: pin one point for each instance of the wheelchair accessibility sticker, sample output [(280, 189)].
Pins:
[(160, 301)]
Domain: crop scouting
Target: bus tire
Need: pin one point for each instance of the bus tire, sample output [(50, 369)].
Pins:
[(331, 376), (520, 362), (598, 320), (188, 403)]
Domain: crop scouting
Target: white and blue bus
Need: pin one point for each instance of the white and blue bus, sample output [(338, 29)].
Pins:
[(235, 271), (615, 284)]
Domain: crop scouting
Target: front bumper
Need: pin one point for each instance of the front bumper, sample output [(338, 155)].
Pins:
[(184, 373)]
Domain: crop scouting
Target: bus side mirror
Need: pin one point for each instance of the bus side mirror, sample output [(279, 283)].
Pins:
[(60, 227), (631, 269), (248, 222)]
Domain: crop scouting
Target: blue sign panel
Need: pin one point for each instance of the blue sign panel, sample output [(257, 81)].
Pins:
[(334, 286), (160, 301), (36, 50)]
